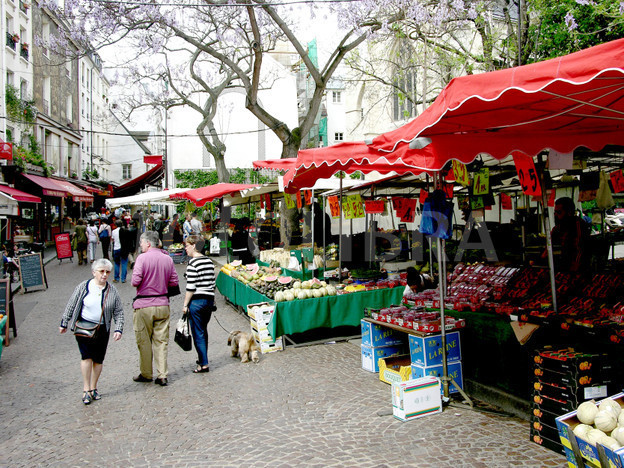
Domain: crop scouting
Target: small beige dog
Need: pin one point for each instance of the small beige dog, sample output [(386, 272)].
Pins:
[(244, 345)]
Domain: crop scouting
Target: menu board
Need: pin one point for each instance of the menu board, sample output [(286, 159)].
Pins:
[(31, 271), (63, 246)]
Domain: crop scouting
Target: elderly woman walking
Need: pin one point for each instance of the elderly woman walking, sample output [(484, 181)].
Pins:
[(93, 305)]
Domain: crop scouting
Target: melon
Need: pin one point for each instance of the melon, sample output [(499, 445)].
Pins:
[(284, 279), (236, 263), (253, 268), (270, 279)]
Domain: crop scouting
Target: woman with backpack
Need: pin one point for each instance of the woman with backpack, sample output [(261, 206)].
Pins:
[(105, 234)]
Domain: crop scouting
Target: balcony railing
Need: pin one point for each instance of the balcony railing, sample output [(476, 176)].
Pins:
[(24, 51), (11, 41)]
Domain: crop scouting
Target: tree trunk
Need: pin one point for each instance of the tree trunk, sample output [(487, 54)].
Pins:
[(222, 170)]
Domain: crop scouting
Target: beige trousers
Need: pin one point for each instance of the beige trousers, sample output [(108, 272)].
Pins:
[(151, 328)]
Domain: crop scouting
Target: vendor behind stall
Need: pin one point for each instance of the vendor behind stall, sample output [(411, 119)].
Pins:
[(570, 237), (417, 282), (241, 242)]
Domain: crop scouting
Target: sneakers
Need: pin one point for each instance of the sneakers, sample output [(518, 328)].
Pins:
[(86, 398)]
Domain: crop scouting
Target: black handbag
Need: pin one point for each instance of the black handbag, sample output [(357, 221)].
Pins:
[(173, 290), (183, 334), (86, 328)]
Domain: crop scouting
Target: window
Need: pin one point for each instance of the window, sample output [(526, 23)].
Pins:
[(336, 97), (69, 109), (45, 33), (126, 171), (338, 136), (403, 95), (47, 93)]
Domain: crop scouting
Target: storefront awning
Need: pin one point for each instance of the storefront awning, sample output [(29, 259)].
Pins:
[(201, 196), (137, 184), (77, 194), (8, 205), (19, 195), (49, 187)]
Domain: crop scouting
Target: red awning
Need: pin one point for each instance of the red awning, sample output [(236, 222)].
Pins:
[(76, 193), (563, 103), (153, 159), (275, 164), (201, 196), (137, 184), (19, 195), (49, 187)]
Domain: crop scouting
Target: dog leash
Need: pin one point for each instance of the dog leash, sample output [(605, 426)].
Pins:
[(215, 317)]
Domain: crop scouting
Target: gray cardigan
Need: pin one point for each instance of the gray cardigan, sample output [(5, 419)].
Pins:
[(113, 308)]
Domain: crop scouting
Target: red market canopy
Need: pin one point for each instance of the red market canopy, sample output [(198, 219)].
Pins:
[(275, 164), (19, 195), (77, 194), (561, 104), (201, 196), (322, 163)]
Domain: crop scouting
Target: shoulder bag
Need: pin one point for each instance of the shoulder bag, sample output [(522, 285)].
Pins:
[(86, 328)]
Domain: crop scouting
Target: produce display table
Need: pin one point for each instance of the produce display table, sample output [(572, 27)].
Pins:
[(301, 315)]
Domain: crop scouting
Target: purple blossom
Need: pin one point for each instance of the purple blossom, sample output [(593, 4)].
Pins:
[(570, 21)]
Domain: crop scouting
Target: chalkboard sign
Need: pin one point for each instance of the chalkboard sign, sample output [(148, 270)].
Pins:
[(31, 271), (63, 246), (5, 308)]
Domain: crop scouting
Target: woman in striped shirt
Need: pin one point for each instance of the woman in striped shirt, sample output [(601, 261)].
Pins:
[(199, 297)]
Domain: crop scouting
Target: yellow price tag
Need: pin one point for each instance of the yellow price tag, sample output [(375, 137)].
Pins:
[(481, 183), (461, 174)]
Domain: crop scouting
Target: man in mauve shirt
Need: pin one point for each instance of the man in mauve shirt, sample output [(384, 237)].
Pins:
[(153, 273)]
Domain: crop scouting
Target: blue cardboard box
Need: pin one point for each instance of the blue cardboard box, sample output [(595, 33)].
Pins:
[(378, 335), (372, 354), (427, 351), (454, 371)]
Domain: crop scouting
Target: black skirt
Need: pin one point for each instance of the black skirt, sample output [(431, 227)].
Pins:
[(94, 348)]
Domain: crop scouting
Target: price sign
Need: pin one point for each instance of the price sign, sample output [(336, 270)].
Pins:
[(527, 174), (288, 199), (396, 204), (481, 182), (423, 196), (409, 210), (353, 207), (617, 181), (448, 190), (505, 201), (267, 202), (307, 195), (334, 206), (477, 203), (298, 200), (552, 194), (6, 150), (375, 206), (461, 174)]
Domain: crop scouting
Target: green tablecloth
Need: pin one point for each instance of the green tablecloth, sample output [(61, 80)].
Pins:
[(307, 314)]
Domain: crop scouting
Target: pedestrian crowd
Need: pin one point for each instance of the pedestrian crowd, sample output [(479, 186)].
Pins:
[(95, 303)]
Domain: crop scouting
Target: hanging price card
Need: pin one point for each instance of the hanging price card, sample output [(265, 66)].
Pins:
[(481, 182), (288, 199), (409, 210), (307, 196), (448, 190), (505, 201), (477, 203), (375, 206), (334, 206), (527, 174), (298, 200), (461, 174), (423, 196), (353, 207), (617, 181), (267, 202), (396, 204)]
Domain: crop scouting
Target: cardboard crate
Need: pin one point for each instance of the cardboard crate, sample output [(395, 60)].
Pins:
[(573, 362), (395, 369), (378, 335), (552, 404), (427, 351), (571, 379), (454, 371), (372, 354), (545, 429), (571, 459), (550, 444), (544, 415), (566, 425), (416, 398), (277, 345), (261, 312), (565, 393)]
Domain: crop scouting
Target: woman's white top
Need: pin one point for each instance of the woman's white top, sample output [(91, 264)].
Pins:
[(116, 241), (93, 234), (92, 303)]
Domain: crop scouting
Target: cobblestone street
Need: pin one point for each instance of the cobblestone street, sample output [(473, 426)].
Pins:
[(306, 406)]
